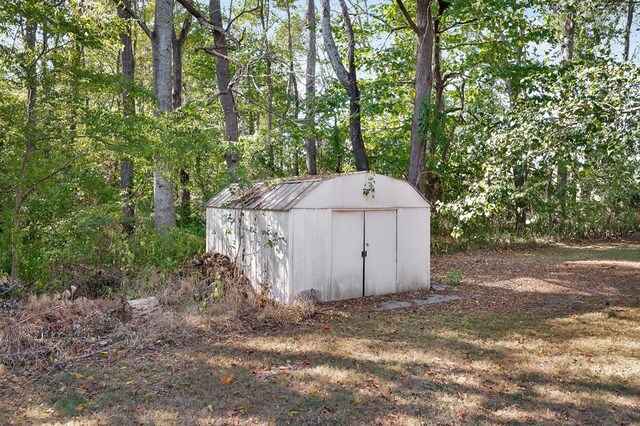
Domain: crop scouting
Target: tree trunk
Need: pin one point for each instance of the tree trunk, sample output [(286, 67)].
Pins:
[(569, 36), (422, 99), (29, 148), (310, 86), (293, 89), (520, 168), (433, 180), (163, 203), (348, 78), (129, 109), (627, 30), (264, 21), (177, 41), (223, 78), (143, 308)]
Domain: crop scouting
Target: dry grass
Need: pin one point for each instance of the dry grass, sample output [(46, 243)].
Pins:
[(52, 331), (517, 349)]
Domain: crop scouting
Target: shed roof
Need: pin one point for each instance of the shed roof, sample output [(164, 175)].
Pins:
[(277, 194), (325, 191)]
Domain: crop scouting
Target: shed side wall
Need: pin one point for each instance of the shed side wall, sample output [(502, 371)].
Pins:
[(258, 240)]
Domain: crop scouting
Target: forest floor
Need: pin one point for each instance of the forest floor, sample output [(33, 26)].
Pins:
[(540, 336)]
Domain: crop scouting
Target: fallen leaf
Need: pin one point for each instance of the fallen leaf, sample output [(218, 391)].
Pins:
[(80, 407), (313, 391), (226, 379), (90, 378), (326, 329), (283, 373), (306, 362), (3, 370)]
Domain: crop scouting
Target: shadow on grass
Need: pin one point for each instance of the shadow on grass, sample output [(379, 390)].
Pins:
[(473, 361)]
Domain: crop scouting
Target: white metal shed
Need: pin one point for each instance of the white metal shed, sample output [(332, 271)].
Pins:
[(344, 236)]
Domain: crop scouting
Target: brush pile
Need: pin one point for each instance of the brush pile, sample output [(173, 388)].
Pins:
[(216, 270), (209, 295), (49, 328), (232, 303)]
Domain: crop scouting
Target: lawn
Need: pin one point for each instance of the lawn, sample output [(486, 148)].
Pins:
[(539, 336)]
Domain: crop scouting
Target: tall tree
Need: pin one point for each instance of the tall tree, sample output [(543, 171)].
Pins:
[(292, 86), (264, 21), (162, 52), (347, 78), (223, 80), (627, 30), (310, 85), (129, 109), (519, 167), (163, 202), (567, 49), (178, 40), (31, 67), (434, 183), (220, 50), (423, 27)]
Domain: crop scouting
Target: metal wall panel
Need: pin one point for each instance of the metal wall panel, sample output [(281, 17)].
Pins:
[(311, 251), (413, 249), (258, 240), (380, 246), (347, 234)]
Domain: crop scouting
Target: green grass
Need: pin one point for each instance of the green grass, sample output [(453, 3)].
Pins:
[(69, 403)]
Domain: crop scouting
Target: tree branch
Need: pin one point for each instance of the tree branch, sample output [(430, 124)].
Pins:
[(457, 24), (50, 175), (410, 21), (332, 49), (231, 21), (121, 4), (184, 30), (212, 50), (188, 5), (351, 42)]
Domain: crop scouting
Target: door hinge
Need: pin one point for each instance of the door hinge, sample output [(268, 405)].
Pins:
[(364, 253)]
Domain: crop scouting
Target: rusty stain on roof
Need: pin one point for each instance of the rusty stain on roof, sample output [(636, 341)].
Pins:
[(277, 194)]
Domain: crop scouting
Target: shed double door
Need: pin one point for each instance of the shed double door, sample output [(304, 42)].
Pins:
[(364, 253)]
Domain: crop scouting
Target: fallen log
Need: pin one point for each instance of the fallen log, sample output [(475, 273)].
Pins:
[(144, 308)]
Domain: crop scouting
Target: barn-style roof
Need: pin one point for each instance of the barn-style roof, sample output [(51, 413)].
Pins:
[(277, 194), (351, 191)]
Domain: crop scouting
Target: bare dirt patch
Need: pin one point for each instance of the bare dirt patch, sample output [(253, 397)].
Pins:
[(546, 336)]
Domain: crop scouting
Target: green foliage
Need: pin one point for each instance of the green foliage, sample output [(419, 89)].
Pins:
[(454, 277), (514, 116)]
